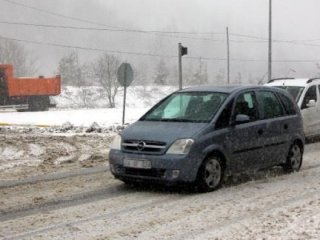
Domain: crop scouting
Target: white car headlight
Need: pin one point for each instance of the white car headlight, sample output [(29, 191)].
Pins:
[(180, 146), (116, 143)]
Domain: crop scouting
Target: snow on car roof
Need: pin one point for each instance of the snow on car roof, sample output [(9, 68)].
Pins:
[(223, 89), (301, 82)]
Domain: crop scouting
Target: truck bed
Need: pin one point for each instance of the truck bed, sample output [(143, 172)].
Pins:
[(34, 86)]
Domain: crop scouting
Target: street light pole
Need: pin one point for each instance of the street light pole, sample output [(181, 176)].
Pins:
[(270, 42), (228, 56)]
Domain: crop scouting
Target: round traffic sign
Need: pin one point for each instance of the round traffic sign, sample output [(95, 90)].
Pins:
[(125, 74)]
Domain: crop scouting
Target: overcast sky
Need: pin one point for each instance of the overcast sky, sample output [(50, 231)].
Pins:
[(292, 20)]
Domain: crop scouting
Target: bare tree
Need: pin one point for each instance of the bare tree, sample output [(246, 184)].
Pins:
[(16, 54), (105, 71), (238, 78), (220, 77), (71, 71), (200, 76), (162, 73)]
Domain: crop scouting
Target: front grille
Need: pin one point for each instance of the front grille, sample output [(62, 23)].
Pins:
[(143, 146), (156, 173)]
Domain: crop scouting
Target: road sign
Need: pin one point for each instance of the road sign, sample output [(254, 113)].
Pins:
[(125, 74), (125, 78)]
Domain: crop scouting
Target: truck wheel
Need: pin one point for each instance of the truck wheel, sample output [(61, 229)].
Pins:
[(40, 103), (210, 174)]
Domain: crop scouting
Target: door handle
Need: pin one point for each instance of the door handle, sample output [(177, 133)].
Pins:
[(260, 131)]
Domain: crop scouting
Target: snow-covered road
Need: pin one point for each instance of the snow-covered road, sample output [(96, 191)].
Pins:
[(269, 205)]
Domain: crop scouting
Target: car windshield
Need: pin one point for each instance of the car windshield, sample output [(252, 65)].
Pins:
[(187, 107), (295, 91)]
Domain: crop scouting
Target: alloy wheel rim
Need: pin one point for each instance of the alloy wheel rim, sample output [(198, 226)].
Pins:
[(212, 173)]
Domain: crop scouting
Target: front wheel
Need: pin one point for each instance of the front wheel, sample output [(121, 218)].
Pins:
[(294, 159), (210, 174)]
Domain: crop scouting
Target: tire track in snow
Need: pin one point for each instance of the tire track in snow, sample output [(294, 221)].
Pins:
[(52, 177), (65, 202), (254, 214), (168, 200), (57, 226), (125, 210)]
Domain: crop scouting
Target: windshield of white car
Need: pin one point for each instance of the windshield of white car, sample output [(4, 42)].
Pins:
[(295, 91), (187, 107)]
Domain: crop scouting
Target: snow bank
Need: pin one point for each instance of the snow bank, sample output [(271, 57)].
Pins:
[(94, 97), (74, 113)]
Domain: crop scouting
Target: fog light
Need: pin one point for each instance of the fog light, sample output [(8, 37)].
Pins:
[(175, 173)]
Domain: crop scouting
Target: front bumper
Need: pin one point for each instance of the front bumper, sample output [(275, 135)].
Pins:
[(167, 168)]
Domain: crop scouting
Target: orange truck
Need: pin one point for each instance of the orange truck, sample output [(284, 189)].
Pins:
[(26, 93)]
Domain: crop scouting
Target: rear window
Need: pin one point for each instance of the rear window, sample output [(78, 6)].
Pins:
[(294, 91)]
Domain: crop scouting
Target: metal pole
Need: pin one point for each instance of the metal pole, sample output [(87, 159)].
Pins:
[(180, 65), (124, 95), (228, 56), (270, 42), (124, 104)]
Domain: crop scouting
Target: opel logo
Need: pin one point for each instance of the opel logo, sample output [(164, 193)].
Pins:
[(141, 146)]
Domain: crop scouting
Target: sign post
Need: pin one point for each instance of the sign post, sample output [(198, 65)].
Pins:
[(125, 78)]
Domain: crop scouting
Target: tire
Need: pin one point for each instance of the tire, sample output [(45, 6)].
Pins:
[(39, 103), (210, 174), (294, 158)]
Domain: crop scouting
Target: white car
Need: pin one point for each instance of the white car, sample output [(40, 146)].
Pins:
[(306, 92)]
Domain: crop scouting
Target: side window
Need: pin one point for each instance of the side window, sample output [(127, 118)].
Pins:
[(246, 104), (311, 94), (288, 104), (270, 104), (224, 118)]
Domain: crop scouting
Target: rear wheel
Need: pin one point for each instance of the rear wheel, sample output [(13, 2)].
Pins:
[(294, 158), (210, 174), (39, 103)]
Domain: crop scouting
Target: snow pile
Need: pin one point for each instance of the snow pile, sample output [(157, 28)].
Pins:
[(65, 128), (46, 152)]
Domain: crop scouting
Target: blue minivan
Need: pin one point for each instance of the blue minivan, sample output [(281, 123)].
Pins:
[(202, 135)]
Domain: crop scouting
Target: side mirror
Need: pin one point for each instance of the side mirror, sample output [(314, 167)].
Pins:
[(242, 118), (311, 103)]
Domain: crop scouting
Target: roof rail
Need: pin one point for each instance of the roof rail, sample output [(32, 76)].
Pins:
[(283, 78), (312, 79)]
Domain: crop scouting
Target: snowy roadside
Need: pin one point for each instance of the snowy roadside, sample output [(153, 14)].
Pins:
[(29, 154), (72, 109), (68, 137)]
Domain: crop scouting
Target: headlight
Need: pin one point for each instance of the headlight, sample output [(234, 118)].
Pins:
[(181, 146), (116, 143)]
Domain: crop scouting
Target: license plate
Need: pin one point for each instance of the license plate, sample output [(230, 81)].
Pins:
[(144, 164)]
